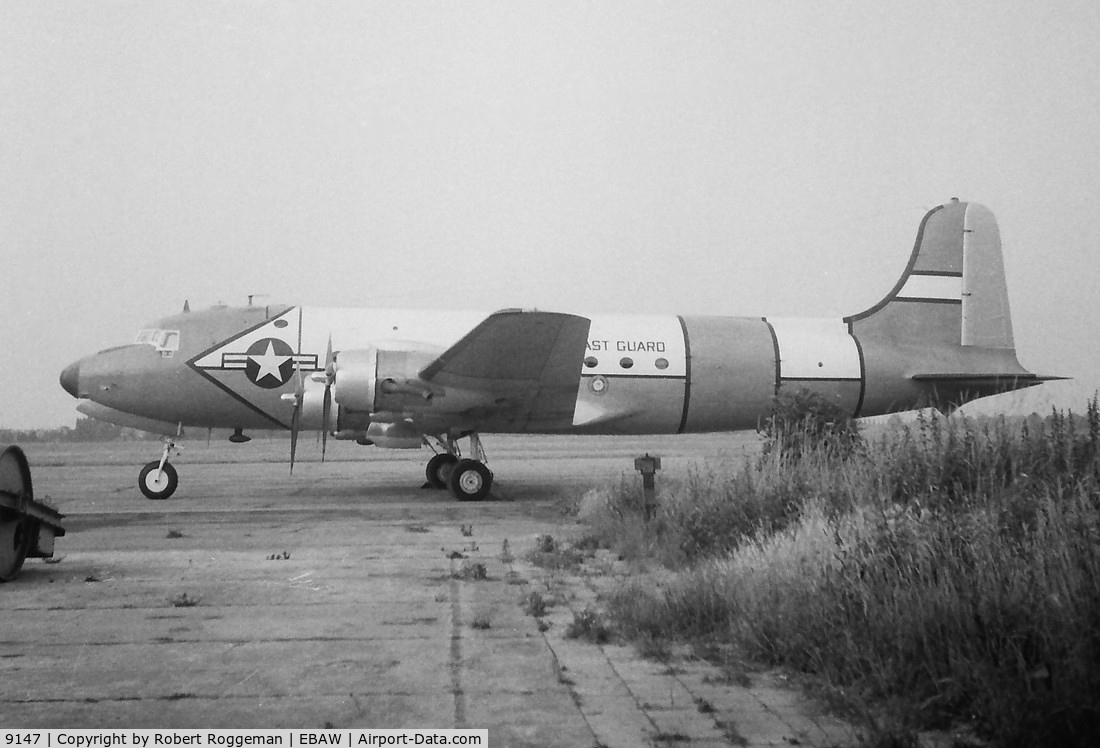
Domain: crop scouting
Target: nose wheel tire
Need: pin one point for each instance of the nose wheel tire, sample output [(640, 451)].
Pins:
[(470, 480), (439, 469), (157, 483)]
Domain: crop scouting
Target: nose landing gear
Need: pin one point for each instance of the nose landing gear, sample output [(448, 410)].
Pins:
[(158, 479)]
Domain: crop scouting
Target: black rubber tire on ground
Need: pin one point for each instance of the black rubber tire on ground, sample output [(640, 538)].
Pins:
[(470, 480), (15, 534), (17, 530), (156, 489), (439, 469)]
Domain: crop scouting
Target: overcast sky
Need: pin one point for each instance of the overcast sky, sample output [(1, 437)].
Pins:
[(696, 158)]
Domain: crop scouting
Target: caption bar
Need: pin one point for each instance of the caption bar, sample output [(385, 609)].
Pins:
[(238, 738)]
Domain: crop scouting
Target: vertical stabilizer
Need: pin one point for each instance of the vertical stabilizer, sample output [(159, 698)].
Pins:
[(953, 290)]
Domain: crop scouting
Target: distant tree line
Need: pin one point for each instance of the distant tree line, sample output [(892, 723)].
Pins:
[(93, 430), (85, 430)]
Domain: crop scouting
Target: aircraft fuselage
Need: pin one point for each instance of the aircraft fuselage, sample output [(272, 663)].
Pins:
[(649, 374)]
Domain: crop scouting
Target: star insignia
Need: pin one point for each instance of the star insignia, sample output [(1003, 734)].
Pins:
[(270, 363)]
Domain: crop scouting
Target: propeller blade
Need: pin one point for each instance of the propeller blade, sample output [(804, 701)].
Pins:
[(326, 409), (296, 416), (326, 406), (294, 423)]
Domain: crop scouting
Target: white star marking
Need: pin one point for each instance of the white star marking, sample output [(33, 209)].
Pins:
[(269, 363)]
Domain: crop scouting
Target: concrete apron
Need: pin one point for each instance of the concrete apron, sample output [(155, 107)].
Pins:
[(288, 621)]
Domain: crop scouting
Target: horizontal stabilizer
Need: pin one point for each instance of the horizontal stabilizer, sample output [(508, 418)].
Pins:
[(980, 385)]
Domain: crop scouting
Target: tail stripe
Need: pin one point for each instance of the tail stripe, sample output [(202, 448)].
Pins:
[(937, 287)]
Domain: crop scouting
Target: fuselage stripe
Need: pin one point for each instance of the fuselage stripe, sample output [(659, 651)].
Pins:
[(687, 375), (775, 349), (938, 273), (862, 374), (821, 379), (633, 376)]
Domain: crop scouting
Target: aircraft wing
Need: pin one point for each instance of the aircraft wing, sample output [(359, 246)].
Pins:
[(523, 365)]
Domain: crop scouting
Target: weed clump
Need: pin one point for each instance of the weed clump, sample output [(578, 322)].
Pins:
[(534, 604), (590, 626), (183, 600), (471, 571), (803, 421), (548, 553)]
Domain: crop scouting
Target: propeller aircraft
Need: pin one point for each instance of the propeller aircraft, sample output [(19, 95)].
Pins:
[(405, 379)]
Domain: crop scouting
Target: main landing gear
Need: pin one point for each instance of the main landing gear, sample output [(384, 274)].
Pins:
[(158, 479), (467, 479)]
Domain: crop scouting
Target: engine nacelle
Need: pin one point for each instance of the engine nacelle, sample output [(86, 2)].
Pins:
[(399, 435), (356, 379), (383, 377)]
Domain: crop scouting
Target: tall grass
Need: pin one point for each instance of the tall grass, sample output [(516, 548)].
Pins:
[(949, 571)]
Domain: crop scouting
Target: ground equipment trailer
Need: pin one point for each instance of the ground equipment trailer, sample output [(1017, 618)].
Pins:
[(27, 527)]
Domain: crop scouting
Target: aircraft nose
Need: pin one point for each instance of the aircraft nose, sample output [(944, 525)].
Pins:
[(70, 379)]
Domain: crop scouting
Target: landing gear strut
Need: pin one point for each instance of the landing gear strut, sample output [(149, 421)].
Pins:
[(158, 479), (467, 479)]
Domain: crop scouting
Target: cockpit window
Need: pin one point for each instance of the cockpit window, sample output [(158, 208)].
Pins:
[(162, 340)]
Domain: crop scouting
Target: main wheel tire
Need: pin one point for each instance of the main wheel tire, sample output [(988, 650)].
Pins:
[(157, 486), (14, 545), (439, 469), (470, 480)]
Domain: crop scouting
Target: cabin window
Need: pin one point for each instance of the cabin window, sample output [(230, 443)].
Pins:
[(169, 340), (661, 363), (162, 340), (626, 362), (591, 362)]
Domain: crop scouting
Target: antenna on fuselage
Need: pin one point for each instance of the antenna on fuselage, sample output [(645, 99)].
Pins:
[(186, 306)]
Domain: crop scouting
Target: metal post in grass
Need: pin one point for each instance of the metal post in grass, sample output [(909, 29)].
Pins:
[(648, 467)]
